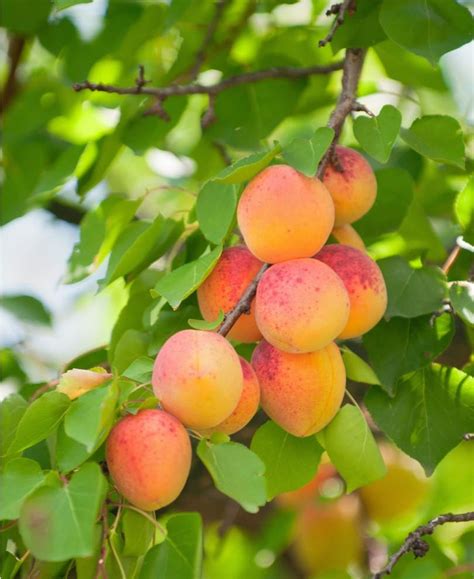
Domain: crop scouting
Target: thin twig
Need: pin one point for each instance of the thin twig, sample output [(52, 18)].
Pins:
[(340, 11), (213, 89), (418, 546), (211, 30), (15, 51), (100, 569), (451, 259), (243, 305)]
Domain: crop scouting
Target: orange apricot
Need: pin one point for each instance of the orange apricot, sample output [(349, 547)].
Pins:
[(283, 214), (327, 536), (224, 287), (301, 305), (149, 458), (300, 392), (347, 235), (353, 189), (247, 406), (197, 377), (364, 283)]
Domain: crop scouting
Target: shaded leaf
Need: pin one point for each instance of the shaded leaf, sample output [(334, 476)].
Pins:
[(26, 308), (304, 154), (19, 479), (12, 408), (461, 296), (377, 135)]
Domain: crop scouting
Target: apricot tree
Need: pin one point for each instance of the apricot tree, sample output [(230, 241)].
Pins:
[(288, 385)]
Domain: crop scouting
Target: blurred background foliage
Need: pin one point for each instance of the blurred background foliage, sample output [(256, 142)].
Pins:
[(94, 159)]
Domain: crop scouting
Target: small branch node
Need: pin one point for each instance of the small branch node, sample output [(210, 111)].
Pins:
[(158, 110), (209, 115), (140, 81), (359, 107), (339, 10)]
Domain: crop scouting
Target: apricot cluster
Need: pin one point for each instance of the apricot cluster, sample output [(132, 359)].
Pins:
[(310, 296)]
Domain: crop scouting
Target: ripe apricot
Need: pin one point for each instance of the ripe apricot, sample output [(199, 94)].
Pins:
[(283, 214), (347, 235), (76, 382), (327, 537), (149, 458), (197, 377), (401, 491), (246, 407), (300, 392), (364, 283), (301, 305), (353, 189), (222, 290)]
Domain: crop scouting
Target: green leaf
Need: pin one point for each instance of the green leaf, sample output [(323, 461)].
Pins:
[(402, 345), (99, 231), (432, 409), (361, 28), (437, 137), (131, 345), (461, 296), (19, 479), (357, 369), (236, 471), (69, 453), (464, 209), (22, 17), (139, 245), (180, 554), (26, 308), (304, 154), (140, 370), (138, 533), (412, 292), (429, 28), (290, 461), (203, 325), (352, 448), (246, 168), (91, 416), (215, 209), (12, 408), (394, 196), (182, 282), (41, 418), (59, 172), (377, 135), (59, 523), (62, 4)]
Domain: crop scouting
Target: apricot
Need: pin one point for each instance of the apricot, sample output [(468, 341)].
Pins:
[(149, 457), (347, 235), (400, 492), (310, 492), (283, 214), (364, 283), (197, 377), (300, 392), (353, 188), (222, 290), (76, 382), (301, 305), (247, 406), (327, 536)]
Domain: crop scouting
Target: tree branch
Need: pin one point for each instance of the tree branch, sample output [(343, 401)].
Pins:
[(340, 11), (65, 212), (418, 546), (15, 51)]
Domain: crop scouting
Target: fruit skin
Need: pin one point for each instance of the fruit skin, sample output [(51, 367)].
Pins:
[(354, 189), (364, 283), (149, 458), (197, 377), (327, 536), (222, 290), (300, 392), (76, 382), (401, 491), (347, 235), (247, 406), (301, 305), (283, 214)]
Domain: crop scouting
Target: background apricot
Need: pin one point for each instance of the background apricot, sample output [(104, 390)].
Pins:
[(283, 214), (300, 392), (353, 189), (347, 235), (246, 407), (197, 377), (328, 537), (301, 305), (310, 492), (149, 458), (230, 278)]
